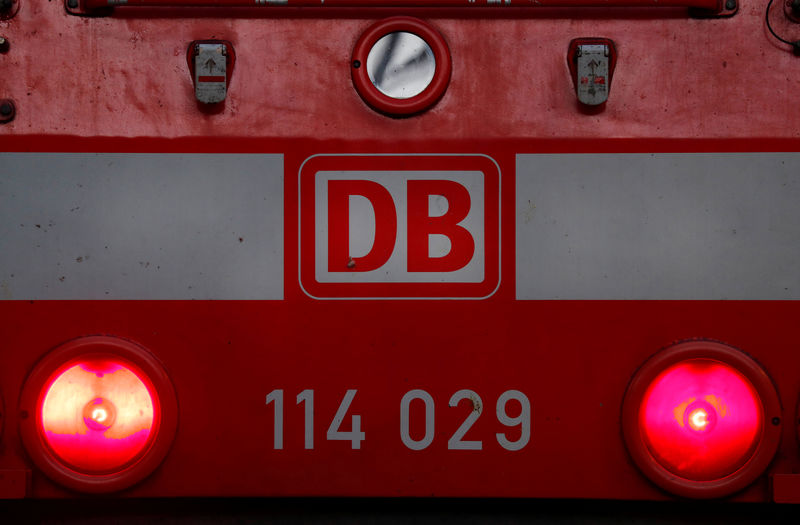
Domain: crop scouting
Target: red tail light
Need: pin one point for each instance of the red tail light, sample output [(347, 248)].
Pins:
[(701, 419), (101, 414), (97, 416)]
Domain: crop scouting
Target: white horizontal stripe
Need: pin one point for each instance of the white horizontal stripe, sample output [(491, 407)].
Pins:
[(141, 226), (664, 226)]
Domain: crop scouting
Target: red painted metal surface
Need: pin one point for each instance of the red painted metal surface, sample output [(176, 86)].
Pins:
[(713, 5), (786, 488), (680, 85)]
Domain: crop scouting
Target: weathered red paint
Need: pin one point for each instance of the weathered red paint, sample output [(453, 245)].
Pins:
[(703, 4), (680, 84)]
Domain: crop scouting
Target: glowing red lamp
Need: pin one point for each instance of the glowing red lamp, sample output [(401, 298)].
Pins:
[(101, 414), (701, 419), (97, 416)]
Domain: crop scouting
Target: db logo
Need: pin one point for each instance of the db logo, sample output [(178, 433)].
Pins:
[(399, 226)]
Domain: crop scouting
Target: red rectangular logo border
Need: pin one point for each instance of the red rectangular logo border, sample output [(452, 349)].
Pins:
[(399, 162)]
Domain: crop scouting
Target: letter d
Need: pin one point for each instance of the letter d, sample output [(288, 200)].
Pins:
[(339, 257)]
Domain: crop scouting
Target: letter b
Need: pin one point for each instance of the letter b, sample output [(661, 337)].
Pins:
[(421, 225)]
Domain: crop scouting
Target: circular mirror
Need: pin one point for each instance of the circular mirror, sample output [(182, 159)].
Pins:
[(401, 65)]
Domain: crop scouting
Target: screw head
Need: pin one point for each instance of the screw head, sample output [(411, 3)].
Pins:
[(730, 5), (72, 4), (4, 44), (356, 64)]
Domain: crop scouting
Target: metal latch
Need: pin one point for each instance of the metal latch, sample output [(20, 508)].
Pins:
[(592, 62), (211, 64)]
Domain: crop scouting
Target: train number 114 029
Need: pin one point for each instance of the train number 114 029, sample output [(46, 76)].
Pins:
[(456, 442)]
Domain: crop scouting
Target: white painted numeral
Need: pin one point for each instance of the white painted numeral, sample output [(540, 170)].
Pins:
[(405, 431), (456, 442), (307, 397), (523, 419), (355, 435), (277, 397)]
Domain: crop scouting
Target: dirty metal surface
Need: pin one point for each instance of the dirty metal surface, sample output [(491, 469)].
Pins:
[(502, 394), (510, 77)]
